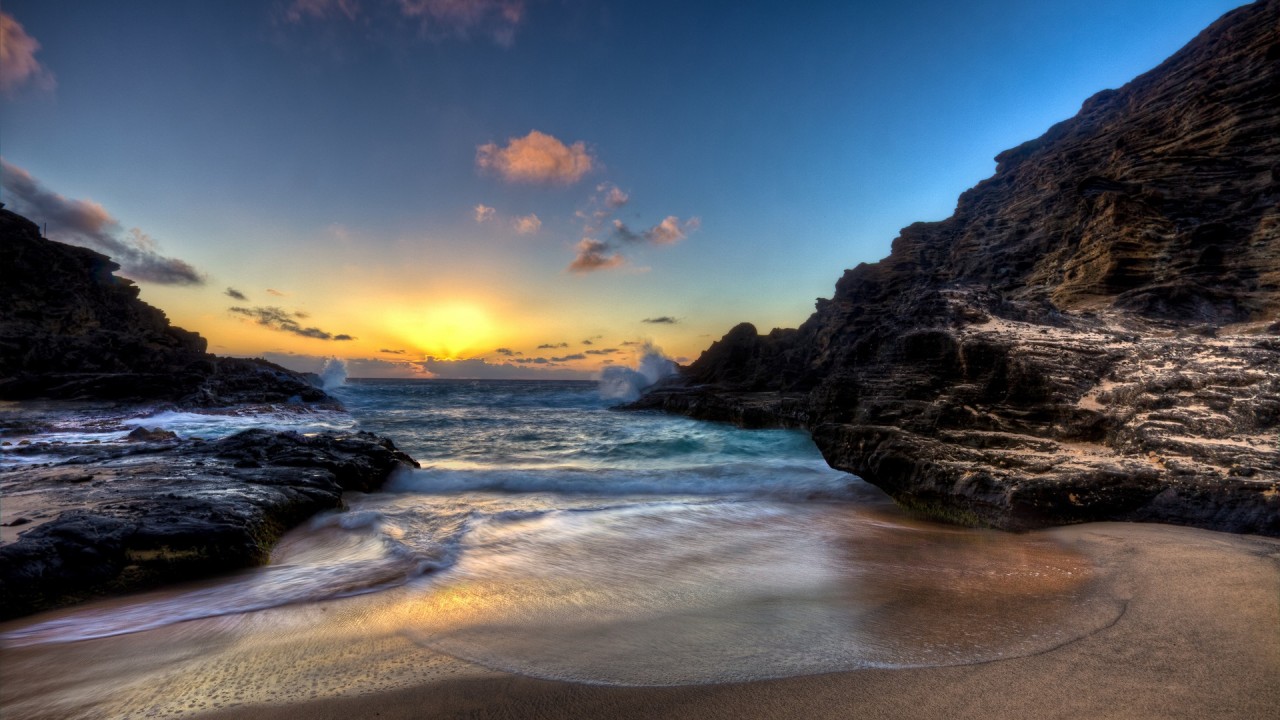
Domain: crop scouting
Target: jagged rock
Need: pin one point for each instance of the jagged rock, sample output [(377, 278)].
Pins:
[(119, 517), (70, 329), (1092, 334)]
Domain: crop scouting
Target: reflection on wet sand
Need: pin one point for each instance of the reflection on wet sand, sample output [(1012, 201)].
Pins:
[(654, 594)]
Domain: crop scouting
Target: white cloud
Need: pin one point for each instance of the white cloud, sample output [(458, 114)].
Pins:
[(536, 158)]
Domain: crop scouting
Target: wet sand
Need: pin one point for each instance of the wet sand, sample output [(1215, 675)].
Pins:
[(1199, 638)]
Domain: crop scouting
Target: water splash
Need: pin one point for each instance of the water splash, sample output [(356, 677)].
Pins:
[(333, 373), (626, 384)]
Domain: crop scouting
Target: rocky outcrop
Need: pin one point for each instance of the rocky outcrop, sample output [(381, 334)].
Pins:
[(70, 329), (1092, 335), (125, 516)]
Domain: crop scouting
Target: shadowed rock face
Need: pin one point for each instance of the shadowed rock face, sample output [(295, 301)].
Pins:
[(69, 329), (1092, 335)]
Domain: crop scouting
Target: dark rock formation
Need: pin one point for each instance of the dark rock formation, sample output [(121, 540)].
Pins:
[(1092, 335), (121, 517), (70, 329)]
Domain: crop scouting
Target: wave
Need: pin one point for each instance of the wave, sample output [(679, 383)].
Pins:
[(333, 556), (783, 481)]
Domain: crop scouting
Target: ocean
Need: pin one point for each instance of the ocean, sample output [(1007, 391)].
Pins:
[(551, 535)]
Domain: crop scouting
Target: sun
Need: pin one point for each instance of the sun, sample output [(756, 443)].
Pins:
[(446, 330)]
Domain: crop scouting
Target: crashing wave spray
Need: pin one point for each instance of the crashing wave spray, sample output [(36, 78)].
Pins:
[(624, 383), (333, 373)]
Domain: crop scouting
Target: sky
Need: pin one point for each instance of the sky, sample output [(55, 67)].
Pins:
[(525, 188)]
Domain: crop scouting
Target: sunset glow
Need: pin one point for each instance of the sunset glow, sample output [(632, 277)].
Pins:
[(524, 192), (447, 330)]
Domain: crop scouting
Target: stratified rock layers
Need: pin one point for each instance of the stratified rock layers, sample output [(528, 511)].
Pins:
[(1092, 335)]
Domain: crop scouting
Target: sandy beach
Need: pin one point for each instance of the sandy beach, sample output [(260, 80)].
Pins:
[(1199, 638), (1197, 635)]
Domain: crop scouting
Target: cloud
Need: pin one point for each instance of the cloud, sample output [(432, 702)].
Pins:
[(497, 18), (436, 19), (663, 320), (553, 346), (507, 352), (481, 369), (356, 367), (88, 224), (393, 352), (277, 293), (629, 343), (671, 230), (484, 213), (605, 351), (279, 319), (528, 225), (300, 10), (567, 358), (235, 294), (614, 197), (18, 64), (668, 232), (536, 158), (595, 255)]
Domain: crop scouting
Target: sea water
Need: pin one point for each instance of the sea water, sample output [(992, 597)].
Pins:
[(549, 534)]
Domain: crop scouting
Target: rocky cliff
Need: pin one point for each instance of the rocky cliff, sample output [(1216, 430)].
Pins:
[(1092, 335), (70, 329)]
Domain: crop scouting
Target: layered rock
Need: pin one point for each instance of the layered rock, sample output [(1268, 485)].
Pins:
[(70, 329), (1092, 335), (126, 516)]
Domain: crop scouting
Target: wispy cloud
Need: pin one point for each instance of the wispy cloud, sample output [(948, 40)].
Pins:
[(568, 358), (527, 225), (536, 158), (614, 197), (86, 223), (284, 321), (18, 64), (484, 213), (553, 346), (662, 320), (602, 244), (235, 294), (300, 10), (668, 232), (393, 352), (277, 293), (603, 351), (593, 254), (434, 19)]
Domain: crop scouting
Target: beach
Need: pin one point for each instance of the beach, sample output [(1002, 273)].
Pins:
[(1199, 637)]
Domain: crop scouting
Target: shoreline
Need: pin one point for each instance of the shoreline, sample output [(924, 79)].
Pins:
[(1200, 637)]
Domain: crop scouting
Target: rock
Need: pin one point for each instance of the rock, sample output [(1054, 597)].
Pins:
[(1091, 336), (175, 510), (141, 434), (70, 329)]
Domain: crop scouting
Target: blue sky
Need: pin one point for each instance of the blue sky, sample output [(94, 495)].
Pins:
[(330, 150)]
